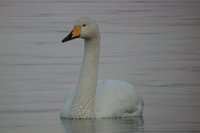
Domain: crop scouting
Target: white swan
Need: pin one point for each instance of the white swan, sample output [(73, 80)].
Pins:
[(92, 98)]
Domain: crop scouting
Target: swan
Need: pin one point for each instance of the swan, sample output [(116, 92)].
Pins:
[(93, 98)]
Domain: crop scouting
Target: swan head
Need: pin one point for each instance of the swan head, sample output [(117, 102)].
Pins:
[(85, 28)]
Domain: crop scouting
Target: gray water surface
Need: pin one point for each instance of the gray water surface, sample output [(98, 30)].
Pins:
[(154, 44)]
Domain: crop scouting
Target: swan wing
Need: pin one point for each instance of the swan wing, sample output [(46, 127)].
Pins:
[(116, 98)]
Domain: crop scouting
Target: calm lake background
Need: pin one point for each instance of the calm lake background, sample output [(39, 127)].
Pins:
[(154, 44)]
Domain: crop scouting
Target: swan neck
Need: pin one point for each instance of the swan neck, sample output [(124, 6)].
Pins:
[(83, 104), (89, 68)]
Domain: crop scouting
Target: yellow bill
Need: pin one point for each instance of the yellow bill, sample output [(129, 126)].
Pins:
[(75, 33)]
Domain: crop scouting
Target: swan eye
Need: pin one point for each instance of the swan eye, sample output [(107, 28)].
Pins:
[(84, 25)]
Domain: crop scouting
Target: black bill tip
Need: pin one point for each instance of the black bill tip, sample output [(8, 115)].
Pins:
[(67, 38)]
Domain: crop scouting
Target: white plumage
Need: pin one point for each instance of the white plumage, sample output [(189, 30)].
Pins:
[(102, 99)]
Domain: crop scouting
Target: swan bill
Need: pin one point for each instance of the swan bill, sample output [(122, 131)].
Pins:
[(75, 33)]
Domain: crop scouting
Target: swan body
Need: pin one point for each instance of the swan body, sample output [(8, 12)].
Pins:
[(114, 99), (93, 98)]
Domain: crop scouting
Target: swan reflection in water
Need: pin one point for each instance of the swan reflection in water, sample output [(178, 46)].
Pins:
[(126, 125)]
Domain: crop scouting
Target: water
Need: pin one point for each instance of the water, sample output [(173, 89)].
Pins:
[(153, 44)]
